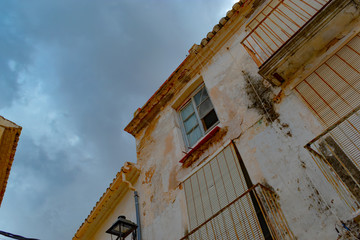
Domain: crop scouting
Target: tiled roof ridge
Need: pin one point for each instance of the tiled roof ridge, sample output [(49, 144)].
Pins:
[(236, 7)]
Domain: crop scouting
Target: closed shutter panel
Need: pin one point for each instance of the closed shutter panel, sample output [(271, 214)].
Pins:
[(333, 91), (212, 188)]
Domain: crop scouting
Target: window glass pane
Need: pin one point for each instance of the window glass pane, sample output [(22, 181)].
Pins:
[(187, 111), (201, 96), (190, 123), (199, 118), (204, 108), (209, 120), (194, 136)]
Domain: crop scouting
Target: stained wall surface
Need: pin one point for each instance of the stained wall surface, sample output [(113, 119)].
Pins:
[(268, 125), (272, 149)]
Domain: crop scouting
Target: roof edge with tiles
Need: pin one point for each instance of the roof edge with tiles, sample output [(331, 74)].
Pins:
[(123, 182), (225, 29)]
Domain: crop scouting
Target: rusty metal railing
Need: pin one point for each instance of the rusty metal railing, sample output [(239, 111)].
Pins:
[(337, 154), (242, 224), (276, 23)]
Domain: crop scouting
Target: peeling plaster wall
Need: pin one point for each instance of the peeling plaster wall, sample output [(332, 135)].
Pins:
[(273, 154), (161, 199), (274, 158)]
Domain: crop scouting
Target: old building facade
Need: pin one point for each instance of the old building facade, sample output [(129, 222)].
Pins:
[(255, 135)]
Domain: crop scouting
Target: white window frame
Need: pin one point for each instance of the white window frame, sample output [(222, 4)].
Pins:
[(190, 100)]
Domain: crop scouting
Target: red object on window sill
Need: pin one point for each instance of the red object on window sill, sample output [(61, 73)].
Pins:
[(201, 142)]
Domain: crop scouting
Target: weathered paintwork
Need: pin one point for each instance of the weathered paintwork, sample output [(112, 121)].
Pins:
[(272, 148)]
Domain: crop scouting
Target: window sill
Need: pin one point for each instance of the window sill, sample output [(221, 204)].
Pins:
[(203, 140)]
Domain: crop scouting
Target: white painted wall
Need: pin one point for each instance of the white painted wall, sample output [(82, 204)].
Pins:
[(273, 154)]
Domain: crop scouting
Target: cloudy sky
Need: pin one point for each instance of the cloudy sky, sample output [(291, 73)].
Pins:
[(72, 73)]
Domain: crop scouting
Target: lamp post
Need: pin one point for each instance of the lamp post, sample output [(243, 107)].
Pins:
[(122, 228)]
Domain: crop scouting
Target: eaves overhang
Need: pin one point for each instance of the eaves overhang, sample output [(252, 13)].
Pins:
[(124, 181), (209, 46), (9, 137)]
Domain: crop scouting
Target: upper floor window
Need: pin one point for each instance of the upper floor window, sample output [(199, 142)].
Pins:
[(197, 116)]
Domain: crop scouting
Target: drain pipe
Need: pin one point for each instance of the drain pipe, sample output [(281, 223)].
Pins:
[(136, 196)]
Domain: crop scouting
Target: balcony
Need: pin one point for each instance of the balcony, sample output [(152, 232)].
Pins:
[(255, 214), (275, 24), (286, 35), (336, 152)]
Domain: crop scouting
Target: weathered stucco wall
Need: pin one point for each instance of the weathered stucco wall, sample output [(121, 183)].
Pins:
[(162, 202), (271, 145)]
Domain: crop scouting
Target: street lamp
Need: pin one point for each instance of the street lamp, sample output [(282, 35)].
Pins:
[(122, 228)]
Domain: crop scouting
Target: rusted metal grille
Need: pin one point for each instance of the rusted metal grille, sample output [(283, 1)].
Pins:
[(332, 92), (220, 205), (275, 24)]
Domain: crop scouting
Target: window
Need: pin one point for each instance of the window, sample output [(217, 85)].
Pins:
[(197, 116)]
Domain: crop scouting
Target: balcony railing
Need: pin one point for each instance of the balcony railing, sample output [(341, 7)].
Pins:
[(337, 154), (276, 23), (240, 220)]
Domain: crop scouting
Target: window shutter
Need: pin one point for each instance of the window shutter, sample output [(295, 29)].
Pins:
[(333, 91), (210, 189)]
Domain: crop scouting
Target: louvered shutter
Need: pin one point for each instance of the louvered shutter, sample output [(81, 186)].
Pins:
[(210, 189), (333, 91)]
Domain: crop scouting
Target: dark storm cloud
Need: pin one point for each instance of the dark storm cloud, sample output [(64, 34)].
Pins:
[(71, 74), (13, 48)]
